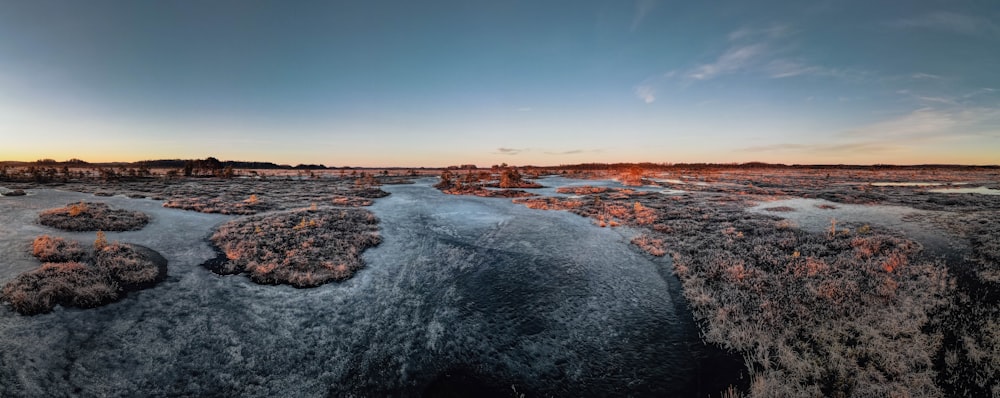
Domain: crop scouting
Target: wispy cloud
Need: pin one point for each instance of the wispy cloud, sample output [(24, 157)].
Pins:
[(647, 89), (933, 124), (826, 149), (925, 76), (642, 8), (524, 109), (899, 134), (781, 68), (734, 59), (761, 52), (949, 22), (771, 32), (645, 92), (927, 99), (509, 151), (969, 99), (573, 152), (920, 122)]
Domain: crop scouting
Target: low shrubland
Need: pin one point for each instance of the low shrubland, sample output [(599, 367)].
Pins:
[(582, 190), (250, 205), (89, 216), (813, 314), (238, 196), (303, 248), (72, 277), (479, 184), (970, 361)]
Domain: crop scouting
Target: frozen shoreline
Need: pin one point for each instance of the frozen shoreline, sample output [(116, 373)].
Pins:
[(509, 295)]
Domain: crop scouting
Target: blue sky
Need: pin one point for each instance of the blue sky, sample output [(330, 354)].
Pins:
[(373, 83)]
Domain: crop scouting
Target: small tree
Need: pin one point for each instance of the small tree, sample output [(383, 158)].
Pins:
[(101, 242), (510, 178), (446, 180)]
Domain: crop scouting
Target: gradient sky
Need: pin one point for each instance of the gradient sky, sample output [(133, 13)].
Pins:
[(415, 83)]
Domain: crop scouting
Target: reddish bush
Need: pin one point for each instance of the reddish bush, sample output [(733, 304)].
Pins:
[(57, 250)]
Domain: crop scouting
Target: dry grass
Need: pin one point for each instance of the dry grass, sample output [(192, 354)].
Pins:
[(236, 196), (476, 184), (131, 268), (650, 245), (305, 248), (68, 284), (250, 205), (486, 193), (583, 190), (57, 250), (549, 203), (812, 314), (117, 269), (89, 216)]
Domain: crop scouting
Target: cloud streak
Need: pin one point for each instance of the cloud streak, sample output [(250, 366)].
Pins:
[(900, 134), (933, 124), (642, 8), (949, 22), (826, 149), (734, 59), (574, 152), (509, 151), (645, 92), (760, 52)]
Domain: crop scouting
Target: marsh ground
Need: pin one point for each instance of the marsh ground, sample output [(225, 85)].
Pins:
[(463, 293), (471, 294)]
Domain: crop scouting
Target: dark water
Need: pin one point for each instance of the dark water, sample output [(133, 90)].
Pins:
[(466, 296)]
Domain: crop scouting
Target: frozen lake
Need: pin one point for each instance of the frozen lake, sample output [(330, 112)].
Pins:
[(466, 296)]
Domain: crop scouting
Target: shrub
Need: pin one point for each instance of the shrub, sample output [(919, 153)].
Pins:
[(117, 268), (71, 284), (84, 216), (650, 245), (129, 266), (57, 250), (252, 205), (301, 248)]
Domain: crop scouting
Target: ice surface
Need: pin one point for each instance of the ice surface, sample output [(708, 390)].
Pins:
[(978, 190), (815, 215), (542, 300)]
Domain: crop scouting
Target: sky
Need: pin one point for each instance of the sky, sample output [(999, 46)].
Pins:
[(436, 83)]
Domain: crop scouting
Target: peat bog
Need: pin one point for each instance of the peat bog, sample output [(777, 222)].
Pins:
[(785, 282)]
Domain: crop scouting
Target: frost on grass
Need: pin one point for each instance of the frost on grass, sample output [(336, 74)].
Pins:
[(58, 250), (250, 205), (71, 277), (819, 315), (304, 248), (476, 184), (812, 314), (89, 216)]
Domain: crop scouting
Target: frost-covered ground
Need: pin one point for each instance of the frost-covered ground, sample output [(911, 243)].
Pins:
[(465, 295), (819, 215)]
